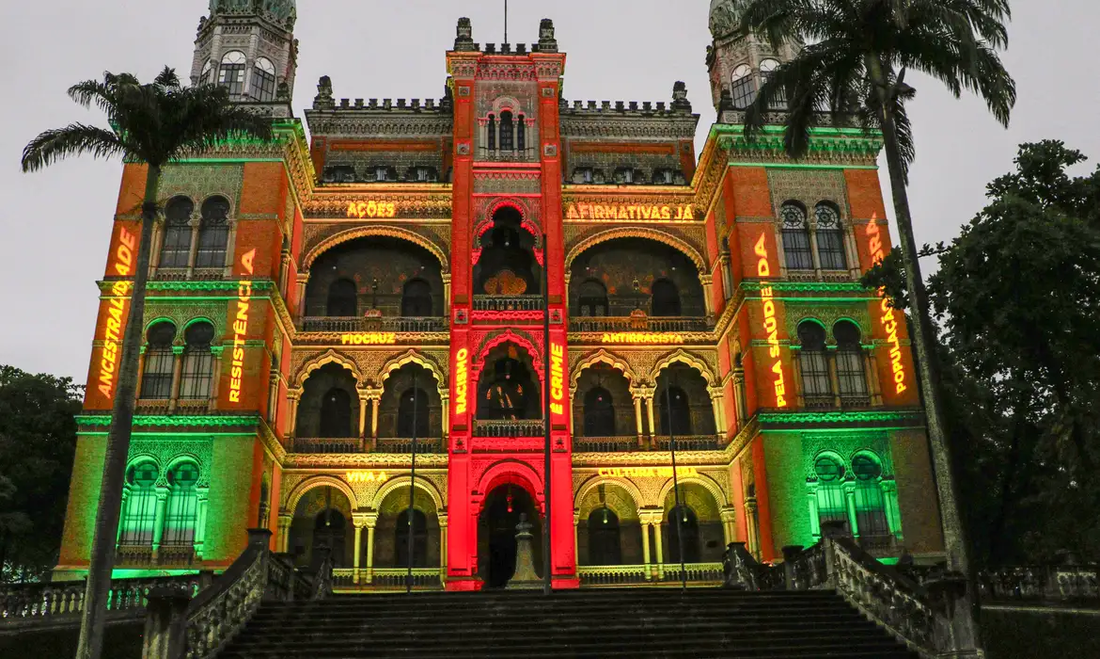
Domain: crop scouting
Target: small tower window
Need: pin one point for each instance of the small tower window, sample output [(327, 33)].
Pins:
[(507, 132), (198, 362), (831, 504), (521, 134), (849, 360), (140, 512), (263, 81), (175, 251), (213, 233), (381, 174), (743, 88), (156, 380), (796, 237), (492, 132), (232, 73), (207, 75), (767, 72), (182, 509), (816, 386), (830, 237)]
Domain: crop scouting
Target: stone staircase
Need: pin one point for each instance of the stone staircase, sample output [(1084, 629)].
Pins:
[(588, 623)]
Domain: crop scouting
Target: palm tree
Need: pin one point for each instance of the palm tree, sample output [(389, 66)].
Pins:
[(855, 64), (155, 124)]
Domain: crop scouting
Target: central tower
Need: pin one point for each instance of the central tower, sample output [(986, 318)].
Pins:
[(508, 255)]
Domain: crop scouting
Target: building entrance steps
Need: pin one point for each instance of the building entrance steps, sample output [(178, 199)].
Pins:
[(636, 623)]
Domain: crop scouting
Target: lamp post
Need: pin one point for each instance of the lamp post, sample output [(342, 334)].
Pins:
[(676, 485), (412, 490)]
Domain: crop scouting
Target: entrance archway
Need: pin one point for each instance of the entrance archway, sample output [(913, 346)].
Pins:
[(496, 533)]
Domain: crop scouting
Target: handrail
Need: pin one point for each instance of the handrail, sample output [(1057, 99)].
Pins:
[(63, 602)]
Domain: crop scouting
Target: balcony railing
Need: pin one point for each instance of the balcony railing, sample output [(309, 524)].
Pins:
[(668, 573), (639, 324), (386, 578), (404, 445), (605, 444), (318, 445), (687, 443), (507, 303), (509, 428), (166, 556), (375, 324)]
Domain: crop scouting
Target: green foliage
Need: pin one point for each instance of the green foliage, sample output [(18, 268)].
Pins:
[(37, 444), (1017, 297)]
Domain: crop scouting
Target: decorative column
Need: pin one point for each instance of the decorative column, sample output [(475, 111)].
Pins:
[(753, 523), (649, 412), (576, 535), (447, 294), (362, 412), (202, 495), (850, 499), (739, 396), (873, 384), (295, 397), (893, 511), (813, 248), (638, 393), (359, 521), (376, 402), (283, 543), (214, 382), (815, 514), (442, 546), (796, 365), (230, 246), (177, 371), (158, 520), (708, 290), (729, 524), (122, 514), (834, 379), (645, 549), (371, 520), (716, 396), (303, 279), (195, 222), (445, 403), (660, 546)]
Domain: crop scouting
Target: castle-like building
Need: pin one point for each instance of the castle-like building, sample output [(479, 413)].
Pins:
[(318, 303)]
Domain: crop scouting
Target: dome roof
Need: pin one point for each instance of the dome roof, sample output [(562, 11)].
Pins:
[(724, 16), (280, 11)]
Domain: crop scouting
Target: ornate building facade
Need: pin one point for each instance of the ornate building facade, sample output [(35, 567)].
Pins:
[(318, 302)]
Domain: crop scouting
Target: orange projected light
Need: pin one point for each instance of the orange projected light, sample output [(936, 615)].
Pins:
[(631, 212), (557, 379), (240, 329), (771, 323), (372, 209), (461, 379), (889, 321), (124, 263), (642, 338)]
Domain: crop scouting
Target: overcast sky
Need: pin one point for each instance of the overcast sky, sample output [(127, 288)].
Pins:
[(55, 225)]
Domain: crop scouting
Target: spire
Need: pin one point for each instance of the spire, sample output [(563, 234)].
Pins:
[(739, 63)]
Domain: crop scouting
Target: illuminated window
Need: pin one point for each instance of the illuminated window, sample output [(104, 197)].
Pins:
[(682, 520), (831, 503), (336, 414), (139, 515), (419, 529), (207, 75), (232, 73), (663, 177), (830, 237), (675, 406), (492, 132), (767, 72), (263, 80), (416, 300), (582, 175), (744, 87), (343, 299), (599, 413), (175, 250), (521, 134), (816, 387), (507, 131), (412, 414), (182, 511), (849, 360), (870, 503), (381, 174), (666, 299), (156, 379), (604, 544), (198, 362), (593, 299), (796, 237), (213, 233)]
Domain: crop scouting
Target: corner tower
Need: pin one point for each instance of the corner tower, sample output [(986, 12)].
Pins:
[(249, 47), (739, 64)]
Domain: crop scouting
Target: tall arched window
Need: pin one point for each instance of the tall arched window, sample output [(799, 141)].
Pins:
[(831, 504), (796, 237), (683, 519), (814, 363), (599, 413), (743, 87), (679, 412), (416, 299), (182, 510), (604, 544), (409, 421), (767, 72), (850, 372), (140, 514), (232, 73), (213, 233), (507, 131), (419, 530), (521, 133), (156, 379), (336, 414), (593, 299), (175, 249), (830, 238), (329, 531), (343, 299), (870, 503), (492, 132), (263, 80), (207, 75), (666, 298), (198, 362)]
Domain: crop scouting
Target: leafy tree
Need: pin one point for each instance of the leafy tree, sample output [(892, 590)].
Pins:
[(37, 443), (1018, 297), (155, 124), (855, 63)]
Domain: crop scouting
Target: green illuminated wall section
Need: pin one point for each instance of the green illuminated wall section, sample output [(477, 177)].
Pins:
[(786, 486)]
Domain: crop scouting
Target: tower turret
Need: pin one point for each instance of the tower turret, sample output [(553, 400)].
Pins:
[(249, 47), (739, 64)]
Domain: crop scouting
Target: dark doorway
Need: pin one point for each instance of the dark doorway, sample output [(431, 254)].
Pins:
[(329, 532), (420, 539), (690, 525), (496, 541)]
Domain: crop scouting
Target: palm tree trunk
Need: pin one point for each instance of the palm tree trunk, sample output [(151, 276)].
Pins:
[(118, 443)]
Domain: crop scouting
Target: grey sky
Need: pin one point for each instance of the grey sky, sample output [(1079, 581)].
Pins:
[(55, 225)]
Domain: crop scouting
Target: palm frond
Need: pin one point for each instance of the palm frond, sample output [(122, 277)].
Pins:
[(167, 78), (75, 139)]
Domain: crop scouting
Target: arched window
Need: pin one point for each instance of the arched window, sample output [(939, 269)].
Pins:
[(408, 421), (870, 503), (213, 233), (521, 133), (419, 529), (182, 511), (232, 73), (198, 362), (604, 545), (796, 237), (830, 238), (683, 519), (175, 249), (679, 412), (814, 362), (492, 132), (593, 299), (599, 413), (743, 88), (416, 300), (156, 379), (507, 131), (343, 299), (336, 414), (831, 504), (666, 298), (849, 360), (140, 513), (263, 80), (207, 75), (767, 72)]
